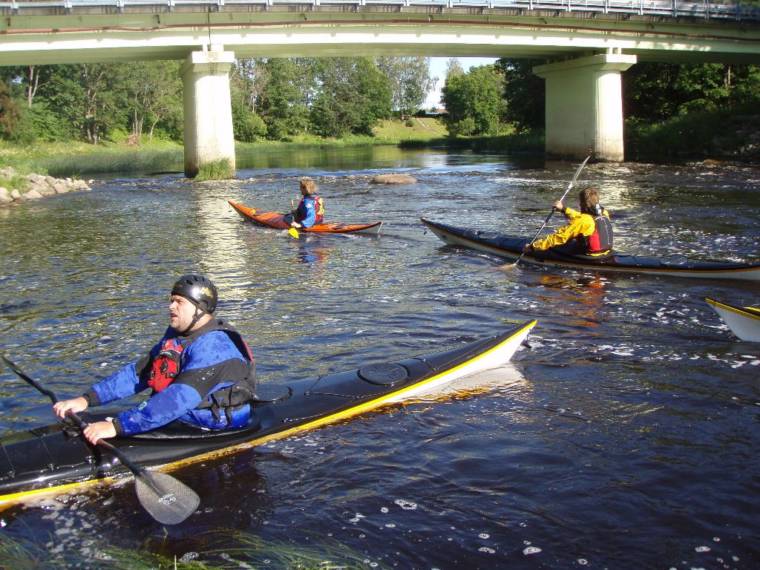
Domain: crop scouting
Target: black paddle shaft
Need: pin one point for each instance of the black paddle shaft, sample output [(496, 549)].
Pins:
[(166, 499), (136, 469), (551, 212)]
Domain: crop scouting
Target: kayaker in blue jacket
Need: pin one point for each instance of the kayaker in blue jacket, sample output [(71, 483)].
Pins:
[(201, 373), (311, 208)]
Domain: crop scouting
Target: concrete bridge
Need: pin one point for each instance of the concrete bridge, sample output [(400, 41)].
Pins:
[(587, 42)]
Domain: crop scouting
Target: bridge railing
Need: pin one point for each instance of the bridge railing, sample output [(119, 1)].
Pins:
[(701, 9)]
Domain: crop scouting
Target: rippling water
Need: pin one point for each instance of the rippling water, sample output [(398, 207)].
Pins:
[(625, 436)]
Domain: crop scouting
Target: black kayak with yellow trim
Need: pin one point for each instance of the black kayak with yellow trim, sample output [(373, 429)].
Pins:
[(55, 459), (510, 247)]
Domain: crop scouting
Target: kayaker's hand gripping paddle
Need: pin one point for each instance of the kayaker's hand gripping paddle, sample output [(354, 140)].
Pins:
[(166, 499), (546, 221), (292, 232)]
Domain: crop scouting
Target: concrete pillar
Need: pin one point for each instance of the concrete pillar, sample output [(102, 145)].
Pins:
[(584, 106), (208, 110)]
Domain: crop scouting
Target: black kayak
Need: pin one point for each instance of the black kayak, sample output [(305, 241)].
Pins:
[(510, 247), (55, 459)]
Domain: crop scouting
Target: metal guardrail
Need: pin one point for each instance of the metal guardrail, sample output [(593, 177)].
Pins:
[(661, 8)]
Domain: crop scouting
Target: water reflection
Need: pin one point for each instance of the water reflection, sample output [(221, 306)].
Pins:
[(581, 298), (312, 250)]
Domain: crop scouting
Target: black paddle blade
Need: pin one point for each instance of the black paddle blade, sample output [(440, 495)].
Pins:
[(166, 499)]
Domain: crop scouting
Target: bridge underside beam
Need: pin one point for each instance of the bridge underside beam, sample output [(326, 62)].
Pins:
[(208, 110), (584, 106), (69, 38)]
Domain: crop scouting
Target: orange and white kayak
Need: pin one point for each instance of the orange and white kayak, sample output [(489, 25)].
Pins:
[(276, 220), (744, 322)]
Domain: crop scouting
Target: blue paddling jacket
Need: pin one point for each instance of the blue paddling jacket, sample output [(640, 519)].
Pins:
[(310, 211), (213, 387)]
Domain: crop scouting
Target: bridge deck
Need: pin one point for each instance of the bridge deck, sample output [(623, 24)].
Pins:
[(657, 8)]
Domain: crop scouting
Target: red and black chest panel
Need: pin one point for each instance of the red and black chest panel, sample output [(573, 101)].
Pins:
[(319, 209), (601, 240), (166, 365)]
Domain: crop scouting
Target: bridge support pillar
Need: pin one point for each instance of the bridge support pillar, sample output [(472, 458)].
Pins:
[(208, 111), (584, 106)]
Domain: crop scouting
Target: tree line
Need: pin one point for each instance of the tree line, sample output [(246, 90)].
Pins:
[(271, 98), (507, 95), (333, 97)]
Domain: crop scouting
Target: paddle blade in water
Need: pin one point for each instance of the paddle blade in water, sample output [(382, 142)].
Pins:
[(166, 499), (293, 233)]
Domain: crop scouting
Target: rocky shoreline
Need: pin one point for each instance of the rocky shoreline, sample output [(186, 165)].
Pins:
[(37, 186)]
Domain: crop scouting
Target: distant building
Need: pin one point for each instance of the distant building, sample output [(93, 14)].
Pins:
[(432, 112)]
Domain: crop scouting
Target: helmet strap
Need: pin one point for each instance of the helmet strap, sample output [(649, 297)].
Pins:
[(196, 317)]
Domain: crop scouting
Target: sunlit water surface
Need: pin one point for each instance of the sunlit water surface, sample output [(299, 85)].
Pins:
[(625, 436)]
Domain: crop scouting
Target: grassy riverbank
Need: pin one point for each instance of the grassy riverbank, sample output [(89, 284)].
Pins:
[(732, 135), (74, 158)]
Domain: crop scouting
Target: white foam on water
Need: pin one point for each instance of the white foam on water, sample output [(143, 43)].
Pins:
[(406, 505)]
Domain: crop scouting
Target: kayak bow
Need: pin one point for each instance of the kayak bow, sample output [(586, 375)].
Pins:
[(49, 460), (744, 322), (510, 247), (276, 220)]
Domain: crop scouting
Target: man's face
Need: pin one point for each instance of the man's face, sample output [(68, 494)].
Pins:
[(181, 312)]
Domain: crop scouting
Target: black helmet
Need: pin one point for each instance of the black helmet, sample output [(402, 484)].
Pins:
[(198, 289)]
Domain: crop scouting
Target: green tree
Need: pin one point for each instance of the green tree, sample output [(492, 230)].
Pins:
[(658, 91), (524, 93), (247, 125), (36, 118), (453, 67), (9, 114), (353, 95), (409, 80), (27, 78), (474, 101), (153, 93), (90, 96), (284, 102), (248, 80)]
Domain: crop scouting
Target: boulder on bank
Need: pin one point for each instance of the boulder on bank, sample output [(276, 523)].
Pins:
[(37, 186), (393, 179)]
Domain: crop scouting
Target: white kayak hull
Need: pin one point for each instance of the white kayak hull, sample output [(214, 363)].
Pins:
[(744, 322)]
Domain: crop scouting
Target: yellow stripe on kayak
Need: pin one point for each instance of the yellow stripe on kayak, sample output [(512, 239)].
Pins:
[(747, 312), (344, 414), (13, 498), (9, 500)]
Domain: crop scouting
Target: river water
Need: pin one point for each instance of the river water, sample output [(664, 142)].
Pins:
[(624, 436)]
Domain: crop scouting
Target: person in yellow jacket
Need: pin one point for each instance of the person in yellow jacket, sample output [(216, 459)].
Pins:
[(589, 232)]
